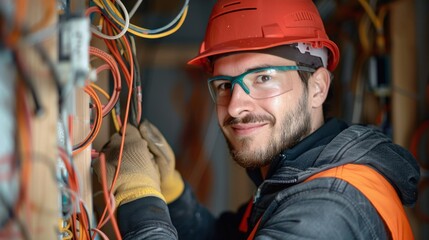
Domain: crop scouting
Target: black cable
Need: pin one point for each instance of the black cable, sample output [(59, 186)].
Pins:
[(25, 77), (54, 72), (12, 216)]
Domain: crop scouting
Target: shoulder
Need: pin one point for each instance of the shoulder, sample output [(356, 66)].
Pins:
[(327, 208)]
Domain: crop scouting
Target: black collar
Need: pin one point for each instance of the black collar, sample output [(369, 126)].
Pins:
[(315, 142)]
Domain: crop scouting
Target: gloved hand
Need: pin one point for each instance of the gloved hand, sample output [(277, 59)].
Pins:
[(171, 182), (138, 175)]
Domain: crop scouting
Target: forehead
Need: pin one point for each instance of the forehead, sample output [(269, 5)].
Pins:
[(235, 64)]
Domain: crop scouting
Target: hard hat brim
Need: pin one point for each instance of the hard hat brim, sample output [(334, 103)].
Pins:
[(250, 44)]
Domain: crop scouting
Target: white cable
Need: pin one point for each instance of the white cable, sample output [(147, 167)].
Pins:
[(136, 6), (124, 30)]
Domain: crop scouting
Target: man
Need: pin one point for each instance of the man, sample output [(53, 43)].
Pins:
[(271, 62)]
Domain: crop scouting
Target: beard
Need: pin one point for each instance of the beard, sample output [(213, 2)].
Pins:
[(294, 126)]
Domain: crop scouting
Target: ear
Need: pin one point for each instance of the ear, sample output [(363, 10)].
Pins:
[(319, 86)]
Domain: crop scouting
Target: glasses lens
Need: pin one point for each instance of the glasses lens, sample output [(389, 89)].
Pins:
[(267, 83), (220, 90), (258, 83)]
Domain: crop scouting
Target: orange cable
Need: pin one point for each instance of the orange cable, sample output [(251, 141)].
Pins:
[(112, 65), (97, 124), (25, 146), (127, 108), (129, 78), (106, 194), (20, 13)]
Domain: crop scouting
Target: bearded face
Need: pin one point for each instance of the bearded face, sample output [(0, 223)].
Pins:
[(286, 132)]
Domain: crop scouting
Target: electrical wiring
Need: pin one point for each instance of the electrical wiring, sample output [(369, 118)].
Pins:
[(102, 234), (363, 28), (112, 11), (112, 203), (9, 230), (12, 38), (137, 83), (27, 81), (377, 21), (73, 185), (129, 79), (74, 190), (30, 34), (103, 169), (371, 14), (65, 230), (136, 103), (124, 55), (124, 29), (135, 7), (122, 52), (54, 72), (97, 123), (24, 146), (133, 73), (129, 74), (113, 112), (106, 191), (112, 65)]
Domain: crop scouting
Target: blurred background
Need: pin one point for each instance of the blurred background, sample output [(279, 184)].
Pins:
[(382, 80)]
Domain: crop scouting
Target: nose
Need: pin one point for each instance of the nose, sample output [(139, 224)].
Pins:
[(240, 102)]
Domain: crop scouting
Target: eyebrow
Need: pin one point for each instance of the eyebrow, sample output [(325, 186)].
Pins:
[(258, 67), (249, 69)]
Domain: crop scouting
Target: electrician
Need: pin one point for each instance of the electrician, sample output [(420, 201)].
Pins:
[(271, 62)]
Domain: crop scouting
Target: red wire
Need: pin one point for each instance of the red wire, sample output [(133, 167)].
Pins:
[(25, 146), (112, 65), (97, 124), (129, 77), (415, 143)]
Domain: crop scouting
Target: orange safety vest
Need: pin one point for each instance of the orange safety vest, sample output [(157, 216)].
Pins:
[(378, 191)]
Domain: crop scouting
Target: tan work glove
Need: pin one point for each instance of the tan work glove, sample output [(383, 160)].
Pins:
[(171, 182), (138, 176)]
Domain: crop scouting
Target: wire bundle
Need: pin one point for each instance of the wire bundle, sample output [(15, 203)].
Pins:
[(110, 10), (117, 31), (115, 28)]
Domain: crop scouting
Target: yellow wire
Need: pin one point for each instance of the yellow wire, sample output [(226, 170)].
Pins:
[(378, 22), (381, 42), (70, 236), (65, 229), (363, 36), (371, 14), (160, 35), (139, 34), (115, 121)]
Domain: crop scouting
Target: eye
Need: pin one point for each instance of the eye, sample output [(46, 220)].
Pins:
[(223, 86), (263, 78)]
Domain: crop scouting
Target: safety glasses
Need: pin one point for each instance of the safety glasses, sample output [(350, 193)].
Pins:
[(259, 83)]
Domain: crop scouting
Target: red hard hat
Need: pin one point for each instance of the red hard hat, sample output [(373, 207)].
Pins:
[(244, 25)]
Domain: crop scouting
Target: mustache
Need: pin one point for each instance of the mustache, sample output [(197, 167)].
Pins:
[(250, 118)]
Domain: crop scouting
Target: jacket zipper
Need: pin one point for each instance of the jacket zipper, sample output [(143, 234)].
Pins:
[(258, 191)]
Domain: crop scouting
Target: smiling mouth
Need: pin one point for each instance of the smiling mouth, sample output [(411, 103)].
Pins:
[(247, 128)]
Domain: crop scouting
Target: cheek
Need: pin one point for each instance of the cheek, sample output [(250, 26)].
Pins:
[(222, 113), (276, 106)]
